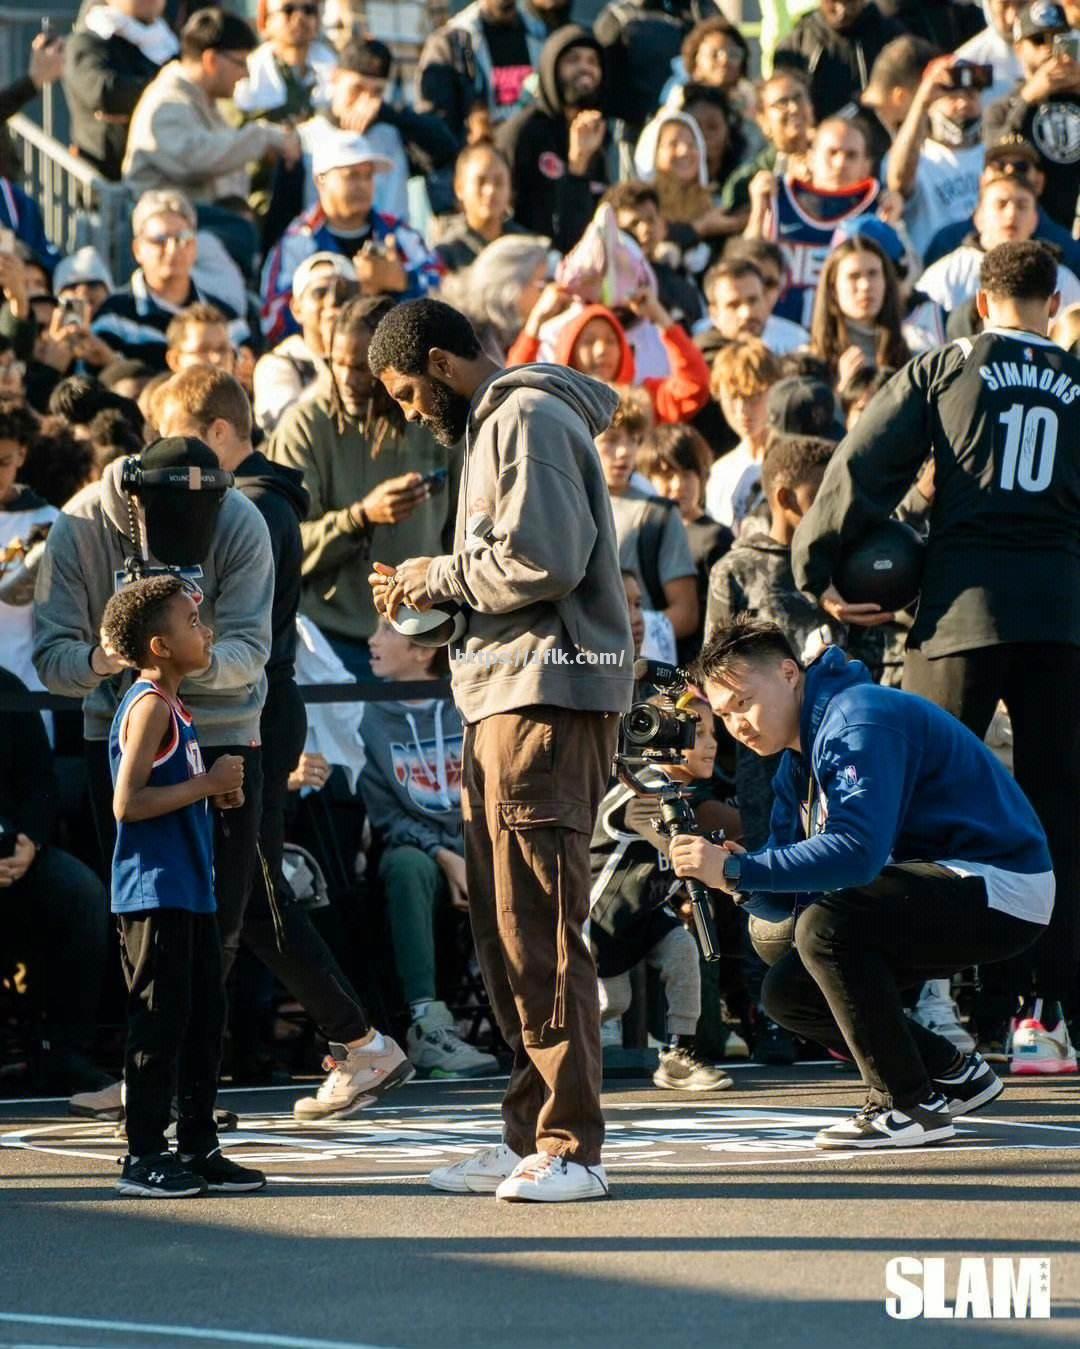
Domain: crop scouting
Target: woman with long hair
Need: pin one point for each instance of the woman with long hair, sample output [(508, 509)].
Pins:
[(857, 311)]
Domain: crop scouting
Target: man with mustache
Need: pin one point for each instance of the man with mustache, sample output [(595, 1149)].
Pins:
[(543, 669)]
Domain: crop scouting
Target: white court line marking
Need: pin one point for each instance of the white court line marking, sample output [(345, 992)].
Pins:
[(184, 1332)]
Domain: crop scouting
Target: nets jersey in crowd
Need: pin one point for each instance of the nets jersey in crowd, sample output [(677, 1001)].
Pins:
[(805, 218), (167, 862)]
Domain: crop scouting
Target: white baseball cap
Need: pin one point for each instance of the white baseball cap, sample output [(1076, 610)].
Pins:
[(341, 151), (338, 263), (86, 264)]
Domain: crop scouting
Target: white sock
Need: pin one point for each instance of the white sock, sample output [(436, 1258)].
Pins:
[(375, 1045), (419, 1009)]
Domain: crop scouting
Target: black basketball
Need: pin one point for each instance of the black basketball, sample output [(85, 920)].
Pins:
[(884, 567)]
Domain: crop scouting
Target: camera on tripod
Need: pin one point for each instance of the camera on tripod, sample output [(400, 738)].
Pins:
[(651, 735)]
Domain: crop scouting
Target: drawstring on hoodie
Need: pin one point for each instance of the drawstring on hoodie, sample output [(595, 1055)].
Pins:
[(440, 774)]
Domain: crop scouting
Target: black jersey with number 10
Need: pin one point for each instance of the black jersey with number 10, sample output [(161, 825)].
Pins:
[(1001, 415)]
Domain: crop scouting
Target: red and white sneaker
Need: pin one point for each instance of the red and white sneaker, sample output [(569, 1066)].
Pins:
[(1034, 1050)]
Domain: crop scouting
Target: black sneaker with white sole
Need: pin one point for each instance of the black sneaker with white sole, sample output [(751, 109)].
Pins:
[(223, 1176), (973, 1086), (162, 1176), (882, 1126)]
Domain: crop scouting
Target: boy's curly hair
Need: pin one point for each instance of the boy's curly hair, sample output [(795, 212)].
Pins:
[(135, 615)]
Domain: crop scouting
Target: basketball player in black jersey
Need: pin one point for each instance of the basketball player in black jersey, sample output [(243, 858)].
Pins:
[(999, 612)]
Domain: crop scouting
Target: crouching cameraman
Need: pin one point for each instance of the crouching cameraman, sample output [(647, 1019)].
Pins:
[(899, 850)]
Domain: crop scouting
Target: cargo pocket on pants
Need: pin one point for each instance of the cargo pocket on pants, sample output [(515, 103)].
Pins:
[(557, 818)]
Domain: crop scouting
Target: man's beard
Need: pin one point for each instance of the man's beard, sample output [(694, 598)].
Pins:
[(449, 416), (579, 99)]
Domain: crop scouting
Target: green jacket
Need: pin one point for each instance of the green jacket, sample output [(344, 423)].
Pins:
[(338, 471)]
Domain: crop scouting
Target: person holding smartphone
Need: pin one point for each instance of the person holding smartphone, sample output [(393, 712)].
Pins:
[(1044, 107)]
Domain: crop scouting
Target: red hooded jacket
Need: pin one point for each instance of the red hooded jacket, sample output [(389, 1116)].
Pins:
[(675, 397)]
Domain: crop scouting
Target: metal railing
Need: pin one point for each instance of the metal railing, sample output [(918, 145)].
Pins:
[(79, 205)]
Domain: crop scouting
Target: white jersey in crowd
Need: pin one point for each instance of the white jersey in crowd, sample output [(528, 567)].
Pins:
[(946, 189), (954, 279), (783, 336), (729, 493)]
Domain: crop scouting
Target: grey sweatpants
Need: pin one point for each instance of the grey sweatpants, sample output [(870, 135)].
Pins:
[(675, 955)]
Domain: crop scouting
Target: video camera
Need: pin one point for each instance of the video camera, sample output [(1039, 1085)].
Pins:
[(180, 500), (652, 735)]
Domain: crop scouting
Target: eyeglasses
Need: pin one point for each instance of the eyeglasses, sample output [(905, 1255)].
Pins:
[(162, 241), (308, 11)]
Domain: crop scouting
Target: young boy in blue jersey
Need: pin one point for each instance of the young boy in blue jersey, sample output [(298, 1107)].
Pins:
[(902, 849), (163, 893)]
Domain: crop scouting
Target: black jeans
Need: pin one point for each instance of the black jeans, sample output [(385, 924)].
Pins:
[(57, 917), (1038, 682), (855, 952), (306, 965), (175, 1020)]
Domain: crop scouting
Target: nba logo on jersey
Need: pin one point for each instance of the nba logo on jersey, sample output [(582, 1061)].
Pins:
[(194, 759)]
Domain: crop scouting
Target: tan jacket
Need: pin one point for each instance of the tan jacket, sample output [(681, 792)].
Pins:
[(179, 139), (535, 556)]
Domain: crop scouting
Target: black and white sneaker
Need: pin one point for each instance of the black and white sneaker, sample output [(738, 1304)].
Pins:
[(223, 1176), (163, 1176), (882, 1126), (972, 1086)]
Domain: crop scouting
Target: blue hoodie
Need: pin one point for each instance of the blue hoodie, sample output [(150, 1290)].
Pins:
[(895, 779)]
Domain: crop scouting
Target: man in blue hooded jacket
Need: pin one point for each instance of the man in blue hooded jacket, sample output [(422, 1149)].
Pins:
[(899, 850)]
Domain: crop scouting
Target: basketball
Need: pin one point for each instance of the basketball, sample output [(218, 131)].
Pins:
[(883, 567)]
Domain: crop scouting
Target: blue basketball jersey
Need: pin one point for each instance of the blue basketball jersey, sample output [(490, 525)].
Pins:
[(167, 862), (804, 220)]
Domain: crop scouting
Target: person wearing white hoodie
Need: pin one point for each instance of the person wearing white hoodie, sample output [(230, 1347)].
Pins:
[(994, 47), (411, 785)]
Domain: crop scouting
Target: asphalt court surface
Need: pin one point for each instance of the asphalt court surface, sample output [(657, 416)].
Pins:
[(726, 1223)]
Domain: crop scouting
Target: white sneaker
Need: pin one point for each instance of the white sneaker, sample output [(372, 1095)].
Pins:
[(1035, 1050), (542, 1178), (735, 1047), (937, 1011), (356, 1078), (436, 1049), (879, 1126), (108, 1103), (482, 1173)]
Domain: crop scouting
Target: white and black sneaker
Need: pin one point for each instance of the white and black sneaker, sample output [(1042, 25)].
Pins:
[(973, 1085), (883, 1126), (163, 1176)]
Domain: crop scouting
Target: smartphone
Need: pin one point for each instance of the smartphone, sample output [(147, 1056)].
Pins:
[(7, 241), (74, 313), (968, 75), (436, 480), (1068, 45), (47, 29)]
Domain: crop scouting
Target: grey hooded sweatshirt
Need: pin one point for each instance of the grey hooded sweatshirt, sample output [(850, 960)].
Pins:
[(411, 783), (535, 555), (87, 548)]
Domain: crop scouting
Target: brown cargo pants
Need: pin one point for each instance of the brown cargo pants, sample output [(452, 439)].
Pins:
[(532, 781)]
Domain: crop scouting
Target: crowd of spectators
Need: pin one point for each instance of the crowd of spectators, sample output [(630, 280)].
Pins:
[(744, 243)]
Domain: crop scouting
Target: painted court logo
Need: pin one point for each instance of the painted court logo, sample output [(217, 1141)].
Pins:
[(997, 1289)]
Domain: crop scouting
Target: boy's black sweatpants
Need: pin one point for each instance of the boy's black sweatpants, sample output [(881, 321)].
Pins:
[(175, 1021)]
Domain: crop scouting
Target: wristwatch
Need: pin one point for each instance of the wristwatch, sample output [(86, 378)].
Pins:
[(733, 870)]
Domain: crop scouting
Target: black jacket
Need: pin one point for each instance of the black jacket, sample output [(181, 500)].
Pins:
[(945, 23), (1053, 127), (282, 501), (106, 76), (548, 198), (27, 782), (640, 39), (837, 64)]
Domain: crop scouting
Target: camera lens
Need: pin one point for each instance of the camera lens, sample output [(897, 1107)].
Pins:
[(642, 723)]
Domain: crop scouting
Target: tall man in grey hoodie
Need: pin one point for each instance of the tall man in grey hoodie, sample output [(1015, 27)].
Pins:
[(545, 664)]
